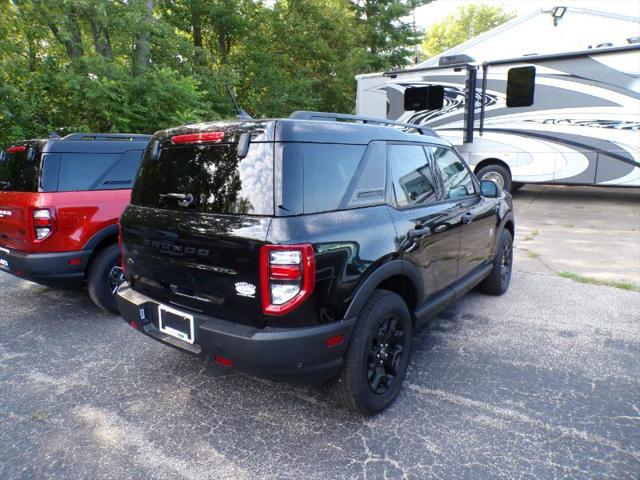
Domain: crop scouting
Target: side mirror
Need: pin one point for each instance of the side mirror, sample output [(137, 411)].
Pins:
[(490, 189)]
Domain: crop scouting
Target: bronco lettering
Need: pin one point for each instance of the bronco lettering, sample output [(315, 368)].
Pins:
[(174, 248)]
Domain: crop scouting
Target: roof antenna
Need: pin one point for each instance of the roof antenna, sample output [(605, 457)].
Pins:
[(242, 115)]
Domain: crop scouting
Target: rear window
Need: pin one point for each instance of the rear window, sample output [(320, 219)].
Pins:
[(316, 176), (19, 171), (214, 177)]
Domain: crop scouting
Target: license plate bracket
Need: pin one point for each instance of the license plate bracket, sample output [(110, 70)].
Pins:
[(176, 323)]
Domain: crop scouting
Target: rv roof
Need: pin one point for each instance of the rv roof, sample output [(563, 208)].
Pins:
[(523, 59)]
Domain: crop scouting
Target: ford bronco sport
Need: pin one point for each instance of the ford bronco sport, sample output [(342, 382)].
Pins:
[(60, 200), (307, 249)]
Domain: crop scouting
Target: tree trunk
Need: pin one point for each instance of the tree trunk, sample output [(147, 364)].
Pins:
[(100, 33), (196, 27), (71, 39), (142, 47), (31, 51)]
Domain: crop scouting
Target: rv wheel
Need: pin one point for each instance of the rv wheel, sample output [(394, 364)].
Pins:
[(498, 174)]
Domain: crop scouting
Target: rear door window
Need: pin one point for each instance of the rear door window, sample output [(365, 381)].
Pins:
[(412, 177), (316, 176)]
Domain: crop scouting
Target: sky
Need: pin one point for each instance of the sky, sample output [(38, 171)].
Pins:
[(439, 9)]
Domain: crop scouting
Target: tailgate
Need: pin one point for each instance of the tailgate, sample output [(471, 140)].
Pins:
[(207, 263), (15, 224)]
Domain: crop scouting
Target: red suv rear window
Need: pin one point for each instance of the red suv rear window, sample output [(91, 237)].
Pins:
[(19, 171)]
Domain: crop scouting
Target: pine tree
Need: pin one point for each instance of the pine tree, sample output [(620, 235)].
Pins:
[(389, 35)]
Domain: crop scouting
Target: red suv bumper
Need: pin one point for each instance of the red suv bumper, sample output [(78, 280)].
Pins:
[(66, 269)]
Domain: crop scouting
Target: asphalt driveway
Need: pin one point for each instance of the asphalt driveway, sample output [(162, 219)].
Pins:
[(543, 382)]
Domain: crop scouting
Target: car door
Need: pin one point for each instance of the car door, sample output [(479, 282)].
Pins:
[(426, 226), (477, 215)]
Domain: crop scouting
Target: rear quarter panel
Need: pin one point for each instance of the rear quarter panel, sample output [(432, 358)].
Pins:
[(79, 216), (348, 246)]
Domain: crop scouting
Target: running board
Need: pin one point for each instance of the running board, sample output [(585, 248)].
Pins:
[(442, 299)]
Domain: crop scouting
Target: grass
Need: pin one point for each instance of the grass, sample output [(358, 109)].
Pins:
[(532, 254), (532, 235), (596, 281)]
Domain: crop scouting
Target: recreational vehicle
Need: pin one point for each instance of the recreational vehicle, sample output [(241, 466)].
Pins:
[(563, 117)]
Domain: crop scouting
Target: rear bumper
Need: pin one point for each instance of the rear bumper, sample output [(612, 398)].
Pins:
[(297, 355), (46, 268)]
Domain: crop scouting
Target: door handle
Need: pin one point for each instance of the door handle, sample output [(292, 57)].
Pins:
[(418, 232), (468, 217)]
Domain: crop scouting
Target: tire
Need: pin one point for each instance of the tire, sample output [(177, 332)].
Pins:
[(498, 173), (515, 186), (99, 280), (353, 387), (498, 280)]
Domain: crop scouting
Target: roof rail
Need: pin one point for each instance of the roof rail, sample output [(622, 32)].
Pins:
[(329, 117), (75, 137)]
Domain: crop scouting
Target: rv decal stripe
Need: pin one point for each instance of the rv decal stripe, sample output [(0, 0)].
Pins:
[(591, 144)]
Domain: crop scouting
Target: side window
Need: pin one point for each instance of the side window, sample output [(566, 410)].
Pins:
[(124, 172), (456, 178), (413, 180), (322, 171), (83, 171), (98, 171)]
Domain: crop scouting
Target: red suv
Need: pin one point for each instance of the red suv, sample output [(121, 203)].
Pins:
[(60, 200)]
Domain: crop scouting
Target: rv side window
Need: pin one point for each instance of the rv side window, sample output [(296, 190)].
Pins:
[(430, 97), (521, 82)]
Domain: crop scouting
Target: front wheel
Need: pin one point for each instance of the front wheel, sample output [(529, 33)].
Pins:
[(104, 278), (500, 277), (378, 356)]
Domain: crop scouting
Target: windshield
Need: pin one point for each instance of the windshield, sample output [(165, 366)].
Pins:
[(17, 173), (210, 179)]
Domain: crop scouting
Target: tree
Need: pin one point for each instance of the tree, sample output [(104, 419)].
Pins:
[(388, 36), (469, 22)]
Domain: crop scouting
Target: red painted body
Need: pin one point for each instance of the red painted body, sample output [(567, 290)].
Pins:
[(77, 216)]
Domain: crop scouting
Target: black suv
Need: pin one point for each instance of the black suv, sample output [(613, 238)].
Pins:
[(307, 249)]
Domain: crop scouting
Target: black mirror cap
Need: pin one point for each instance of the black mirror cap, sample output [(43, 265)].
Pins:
[(490, 189)]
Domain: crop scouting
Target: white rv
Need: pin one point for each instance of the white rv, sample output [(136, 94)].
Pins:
[(542, 116)]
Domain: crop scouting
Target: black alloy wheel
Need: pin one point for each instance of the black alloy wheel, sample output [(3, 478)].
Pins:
[(385, 355)]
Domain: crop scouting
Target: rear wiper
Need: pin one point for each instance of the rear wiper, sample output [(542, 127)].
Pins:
[(184, 199)]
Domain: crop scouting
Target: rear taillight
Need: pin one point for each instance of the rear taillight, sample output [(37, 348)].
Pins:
[(208, 137), (287, 277), (16, 149), (42, 223)]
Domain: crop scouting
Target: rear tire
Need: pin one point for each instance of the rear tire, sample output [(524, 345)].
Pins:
[(378, 356), (100, 280), (498, 173), (498, 280)]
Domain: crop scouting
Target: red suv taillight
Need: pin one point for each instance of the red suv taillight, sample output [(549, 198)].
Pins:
[(287, 277), (42, 223)]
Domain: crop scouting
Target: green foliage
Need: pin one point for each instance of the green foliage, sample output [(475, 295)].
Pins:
[(142, 65), (470, 21), (388, 38)]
